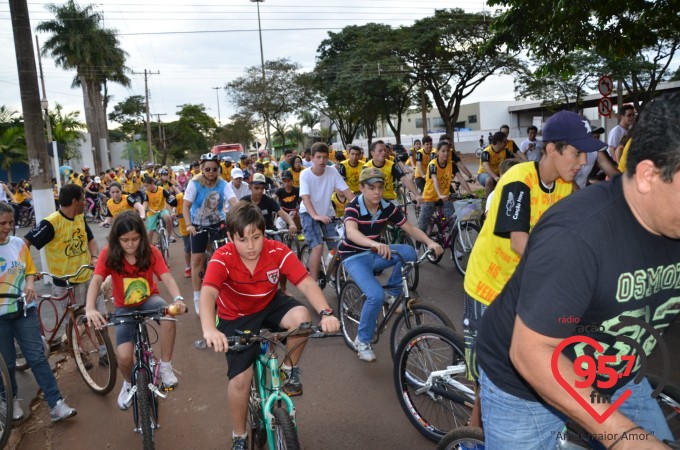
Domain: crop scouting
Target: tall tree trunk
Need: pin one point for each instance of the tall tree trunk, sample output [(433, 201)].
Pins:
[(91, 121), (98, 105)]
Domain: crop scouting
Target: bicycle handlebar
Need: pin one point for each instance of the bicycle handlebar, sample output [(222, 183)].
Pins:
[(247, 338), (137, 316), (403, 261), (65, 277)]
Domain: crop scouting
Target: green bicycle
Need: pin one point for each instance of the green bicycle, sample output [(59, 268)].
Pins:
[(271, 412)]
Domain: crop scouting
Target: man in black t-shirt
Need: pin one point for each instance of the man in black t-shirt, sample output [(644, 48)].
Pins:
[(288, 197), (603, 266), (270, 209)]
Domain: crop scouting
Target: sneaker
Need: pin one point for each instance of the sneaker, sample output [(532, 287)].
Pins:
[(196, 302), (187, 272), (172, 239), (364, 351), (61, 411), (292, 384), (168, 376), (239, 443), (124, 398), (17, 413)]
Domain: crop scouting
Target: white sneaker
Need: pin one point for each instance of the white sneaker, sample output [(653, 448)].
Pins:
[(61, 411), (168, 376), (364, 351), (196, 302), (123, 401), (17, 413)]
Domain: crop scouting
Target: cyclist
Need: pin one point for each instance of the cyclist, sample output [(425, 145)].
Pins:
[(423, 156), (22, 199), (226, 165), (296, 170), (394, 172), (351, 168), (440, 173), (240, 187), (289, 198), (20, 322), (241, 281), (491, 158), (94, 194), (366, 217), (132, 262), (526, 191), (168, 183), (120, 202), (68, 242), (156, 198), (607, 259), (204, 206)]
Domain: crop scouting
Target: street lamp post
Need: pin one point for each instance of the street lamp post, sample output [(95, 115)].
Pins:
[(259, 27), (219, 117)]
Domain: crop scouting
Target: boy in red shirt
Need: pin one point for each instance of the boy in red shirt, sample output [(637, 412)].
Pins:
[(242, 279)]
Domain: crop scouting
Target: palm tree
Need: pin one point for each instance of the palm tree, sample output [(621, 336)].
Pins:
[(309, 119), (296, 136), (78, 41), (65, 129), (12, 148)]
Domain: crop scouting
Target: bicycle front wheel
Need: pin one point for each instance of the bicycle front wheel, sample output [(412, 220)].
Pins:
[(258, 433), (143, 396), (340, 278), (461, 245), (163, 245), (471, 438), (285, 432), (414, 316), (351, 303), (441, 404), (7, 399), (93, 354)]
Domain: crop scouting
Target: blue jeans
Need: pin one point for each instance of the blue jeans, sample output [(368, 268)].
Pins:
[(511, 422), (361, 267), (26, 331)]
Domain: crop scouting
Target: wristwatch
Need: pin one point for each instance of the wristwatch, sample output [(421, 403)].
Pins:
[(178, 298), (326, 312)]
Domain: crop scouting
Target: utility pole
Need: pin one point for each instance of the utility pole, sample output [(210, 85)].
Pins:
[(264, 81), (148, 119), (219, 118), (161, 140), (45, 105)]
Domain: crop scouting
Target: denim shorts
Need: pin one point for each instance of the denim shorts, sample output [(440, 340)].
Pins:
[(482, 178), (315, 231), (126, 332), (152, 219)]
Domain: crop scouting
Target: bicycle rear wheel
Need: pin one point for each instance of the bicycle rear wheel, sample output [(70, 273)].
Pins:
[(340, 278), (285, 432), (6, 403), (414, 316), (464, 438), (143, 405), (351, 303), (462, 243), (93, 354), (434, 408), (669, 402)]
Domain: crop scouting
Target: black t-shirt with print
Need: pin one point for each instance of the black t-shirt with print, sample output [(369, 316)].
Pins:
[(288, 200), (588, 266), (269, 209)]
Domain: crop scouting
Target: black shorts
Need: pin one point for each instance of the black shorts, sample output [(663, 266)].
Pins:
[(200, 241), (269, 318)]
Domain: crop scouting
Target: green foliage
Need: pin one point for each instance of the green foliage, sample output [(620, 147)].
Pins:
[(238, 130), (12, 147), (190, 134), (131, 115), (66, 129), (138, 152)]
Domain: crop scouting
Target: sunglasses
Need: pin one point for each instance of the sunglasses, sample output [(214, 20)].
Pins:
[(211, 169)]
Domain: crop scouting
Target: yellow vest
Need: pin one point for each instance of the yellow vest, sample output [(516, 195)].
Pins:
[(352, 175), (494, 160), (226, 171), (67, 251), (388, 193), (117, 208), (296, 176), (444, 177)]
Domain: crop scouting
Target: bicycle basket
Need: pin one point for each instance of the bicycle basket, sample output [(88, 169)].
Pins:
[(468, 209)]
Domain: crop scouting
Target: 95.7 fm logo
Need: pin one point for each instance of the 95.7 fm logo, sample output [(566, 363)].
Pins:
[(594, 368)]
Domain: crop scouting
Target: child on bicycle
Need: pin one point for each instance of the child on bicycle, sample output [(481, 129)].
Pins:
[(366, 218), (242, 280), (132, 263)]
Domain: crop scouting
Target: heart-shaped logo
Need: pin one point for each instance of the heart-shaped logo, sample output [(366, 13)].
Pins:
[(600, 418)]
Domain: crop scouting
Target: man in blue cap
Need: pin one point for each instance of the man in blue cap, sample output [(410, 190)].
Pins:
[(523, 194)]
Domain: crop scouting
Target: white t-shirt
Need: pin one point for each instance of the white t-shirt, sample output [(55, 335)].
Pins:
[(532, 154), (320, 188), (614, 137), (306, 163), (242, 191)]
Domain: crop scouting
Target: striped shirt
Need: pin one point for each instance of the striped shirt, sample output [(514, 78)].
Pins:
[(370, 225)]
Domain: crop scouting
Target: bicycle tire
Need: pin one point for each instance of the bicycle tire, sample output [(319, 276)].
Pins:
[(163, 244), (7, 399), (468, 438), (434, 233), (143, 396), (94, 355), (340, 278), (21, 363), (414, 274), (350, 305), (435, 411), (418, 314), (669, 402), (461, 251), (257, 438), (285, 433), (304, 254)]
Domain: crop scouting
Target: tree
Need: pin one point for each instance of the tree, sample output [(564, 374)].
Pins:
[(190, 134), (308, 119), (138, 152), (65, 129), (131, 115), (239, 129), (78, 41), (272, 101), (637, 39), (450, 54), (12, 148)]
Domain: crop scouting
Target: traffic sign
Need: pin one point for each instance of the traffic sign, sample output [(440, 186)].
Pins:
[(605, 85), (605, 106)]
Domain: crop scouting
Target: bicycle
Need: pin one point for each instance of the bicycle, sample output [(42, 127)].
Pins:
[(163, 239), (430, 380), (410, 313), (285, 237), (271, 412), (26, 215), (146, 380), (331, 272), (99, 210), (217, 236), (395, 235), (6, 393), (92, 349)]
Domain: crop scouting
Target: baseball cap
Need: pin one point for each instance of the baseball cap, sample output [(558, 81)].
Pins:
[(569, 127), (236, 173), (371, 175), (258, 178), (97, 180), (286, 175)]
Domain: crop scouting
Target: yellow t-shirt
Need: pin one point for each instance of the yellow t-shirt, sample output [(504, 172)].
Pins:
[(493, 261), (180, 217), (624, 156), (338, 205), (494, 159), (389, 192), (67, 251), (117, 208), (351, 174), (131, 185), (19, 197), (296, 176), (444, 177), (226, 171)]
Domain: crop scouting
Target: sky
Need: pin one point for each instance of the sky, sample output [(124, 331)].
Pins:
[(193, 46)]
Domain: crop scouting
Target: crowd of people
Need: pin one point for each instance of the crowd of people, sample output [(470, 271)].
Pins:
[(542, 253)]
